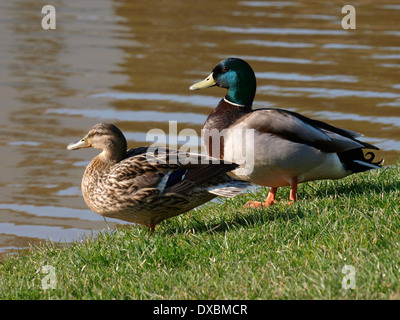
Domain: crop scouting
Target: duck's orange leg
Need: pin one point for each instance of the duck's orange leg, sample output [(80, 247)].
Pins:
[(293, 190), (257, 204)]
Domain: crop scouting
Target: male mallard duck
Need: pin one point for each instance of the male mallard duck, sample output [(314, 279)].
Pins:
[(148, 187), (289, 148)]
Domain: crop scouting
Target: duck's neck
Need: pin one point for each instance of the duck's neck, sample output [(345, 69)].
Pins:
[(225, 114), (100, 164), (222, 117), (97, 167), (242, 92), (113, 156)]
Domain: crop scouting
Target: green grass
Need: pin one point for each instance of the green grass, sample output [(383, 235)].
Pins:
[(222, 251)]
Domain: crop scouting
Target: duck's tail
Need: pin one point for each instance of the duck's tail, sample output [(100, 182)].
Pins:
[(229, 189), (356, 161)]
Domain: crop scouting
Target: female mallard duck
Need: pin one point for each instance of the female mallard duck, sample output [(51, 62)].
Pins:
[(288, 148), (148, 187)]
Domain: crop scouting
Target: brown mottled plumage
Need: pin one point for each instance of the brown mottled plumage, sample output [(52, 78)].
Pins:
[(147, 186)]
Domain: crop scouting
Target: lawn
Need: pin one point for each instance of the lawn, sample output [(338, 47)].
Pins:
[(223, 251)]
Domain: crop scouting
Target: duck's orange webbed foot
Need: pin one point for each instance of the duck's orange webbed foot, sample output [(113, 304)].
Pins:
[(259, 205), (293, 191)]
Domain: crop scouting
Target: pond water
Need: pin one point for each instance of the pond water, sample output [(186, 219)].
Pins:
[(132, 62)]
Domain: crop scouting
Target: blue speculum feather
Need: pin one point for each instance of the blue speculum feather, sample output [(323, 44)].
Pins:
[(175, 177)]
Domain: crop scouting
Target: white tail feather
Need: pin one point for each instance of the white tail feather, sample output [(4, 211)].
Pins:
[(367, 164), (230, 189)]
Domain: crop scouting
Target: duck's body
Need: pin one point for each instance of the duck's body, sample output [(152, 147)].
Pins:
[(287, 148), (147, 187)]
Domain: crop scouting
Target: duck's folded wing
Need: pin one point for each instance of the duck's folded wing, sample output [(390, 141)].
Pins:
[(136, 151), (297, 128), (169, 170), (193, 169)]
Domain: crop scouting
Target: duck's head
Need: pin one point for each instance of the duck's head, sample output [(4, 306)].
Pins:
[(237, 76), (106, 137)]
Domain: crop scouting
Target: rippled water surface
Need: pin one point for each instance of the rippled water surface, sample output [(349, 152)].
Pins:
[(132, 62)]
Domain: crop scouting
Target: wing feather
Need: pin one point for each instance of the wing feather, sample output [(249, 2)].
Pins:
[(297, 128)]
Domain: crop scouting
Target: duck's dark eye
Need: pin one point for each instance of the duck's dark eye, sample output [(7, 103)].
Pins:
[(224, 69)]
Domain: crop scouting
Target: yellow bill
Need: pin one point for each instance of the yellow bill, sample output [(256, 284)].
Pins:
[(207, 82), (83, 143)]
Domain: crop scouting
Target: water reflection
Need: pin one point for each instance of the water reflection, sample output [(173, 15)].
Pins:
[(292, 76), (278, 4), (394, 121), (196, 100), (386, 56), (277, 31), (48, 211), (133, 116), (315, 92), (280, 44), (278, 60), (346, 46)]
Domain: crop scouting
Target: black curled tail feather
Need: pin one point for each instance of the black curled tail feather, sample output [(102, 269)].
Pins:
[(371, 158), (356, 161)]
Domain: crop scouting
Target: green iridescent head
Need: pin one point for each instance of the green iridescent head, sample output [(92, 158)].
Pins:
[(237, 76)]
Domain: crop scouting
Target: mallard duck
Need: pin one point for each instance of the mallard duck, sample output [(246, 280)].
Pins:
[(288, 148), (146, 185)]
